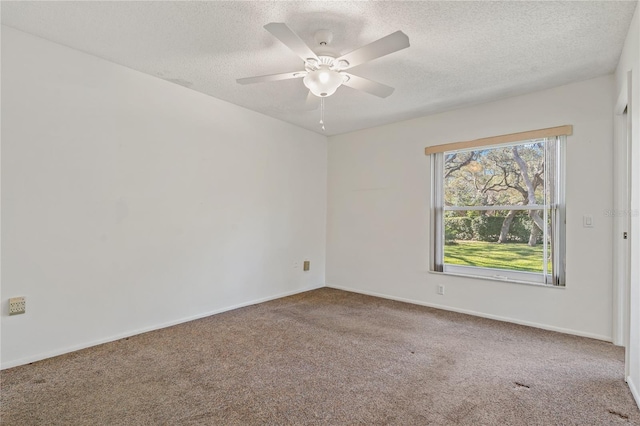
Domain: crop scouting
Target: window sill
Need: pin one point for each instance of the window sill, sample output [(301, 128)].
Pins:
[(501, 280)]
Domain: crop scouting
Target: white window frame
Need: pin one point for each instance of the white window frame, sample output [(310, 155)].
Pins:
[(557, 207)]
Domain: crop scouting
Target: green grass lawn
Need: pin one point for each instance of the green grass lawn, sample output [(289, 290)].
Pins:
[(519, 257)]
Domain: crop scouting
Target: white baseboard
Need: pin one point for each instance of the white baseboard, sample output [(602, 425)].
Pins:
[(634, 391), (477, 314), (57, 352)]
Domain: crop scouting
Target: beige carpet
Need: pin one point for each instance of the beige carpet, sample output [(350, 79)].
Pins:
[(333, 358)]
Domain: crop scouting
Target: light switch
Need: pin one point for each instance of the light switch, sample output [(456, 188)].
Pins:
[(587, 221)]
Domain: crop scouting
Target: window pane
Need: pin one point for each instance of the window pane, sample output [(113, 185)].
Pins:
[(512, 175), (509, 240)]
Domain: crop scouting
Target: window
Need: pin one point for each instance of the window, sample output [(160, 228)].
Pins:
[(498, 210)]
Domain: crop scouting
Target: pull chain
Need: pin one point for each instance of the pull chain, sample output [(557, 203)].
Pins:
[(322, 113)]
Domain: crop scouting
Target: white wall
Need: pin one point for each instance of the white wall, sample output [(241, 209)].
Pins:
[(378, 210), (630, 61), (130, 203)]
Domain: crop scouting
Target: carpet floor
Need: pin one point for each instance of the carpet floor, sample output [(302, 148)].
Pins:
[(328, 357)]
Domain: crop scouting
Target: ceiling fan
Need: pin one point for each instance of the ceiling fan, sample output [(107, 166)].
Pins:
[(323, 73)]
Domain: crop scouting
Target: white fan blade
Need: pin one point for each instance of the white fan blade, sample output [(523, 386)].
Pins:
[(272, 77), (381, 47), (312, 102), (290, 39), (368, 86)]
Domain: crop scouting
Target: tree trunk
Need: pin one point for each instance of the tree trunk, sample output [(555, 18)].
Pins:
[(535, 217), (535, 230), (531, 196), (524, 172), (506, 225)]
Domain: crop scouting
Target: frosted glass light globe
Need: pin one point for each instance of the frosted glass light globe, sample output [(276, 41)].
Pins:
[(323, 82)]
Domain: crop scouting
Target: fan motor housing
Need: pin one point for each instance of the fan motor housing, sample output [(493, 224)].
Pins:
[(311, 64)]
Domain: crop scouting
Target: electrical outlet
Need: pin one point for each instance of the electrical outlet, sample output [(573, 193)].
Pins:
[(306, 265), (17, 305), (441, 290)]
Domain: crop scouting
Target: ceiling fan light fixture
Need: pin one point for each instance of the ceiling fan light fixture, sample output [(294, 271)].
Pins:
[(323, 82)]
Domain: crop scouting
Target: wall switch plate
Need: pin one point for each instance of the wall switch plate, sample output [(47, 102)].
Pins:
[(306, 265), (441, 290), (17, 305)]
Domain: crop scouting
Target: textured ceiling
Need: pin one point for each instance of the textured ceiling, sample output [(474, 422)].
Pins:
[(461, 53)]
